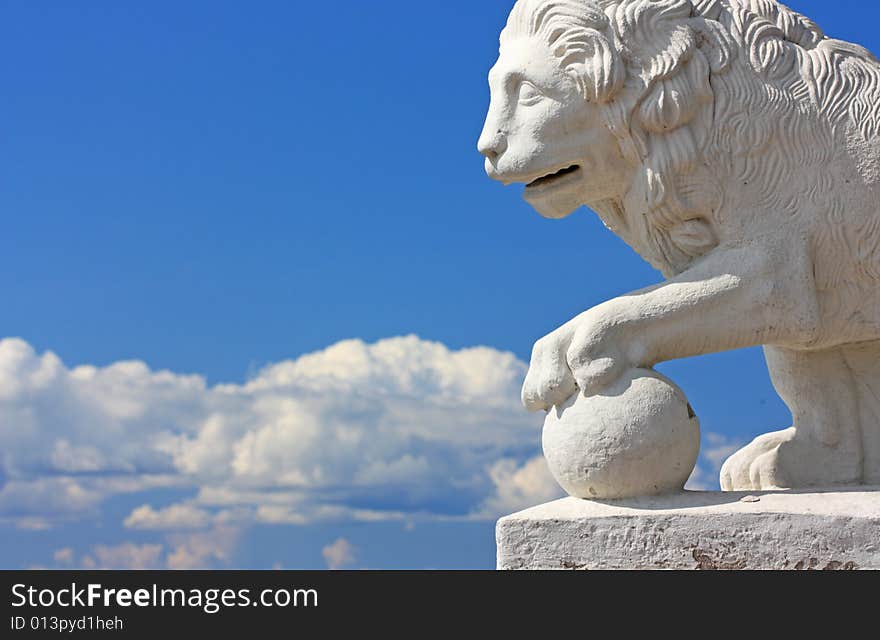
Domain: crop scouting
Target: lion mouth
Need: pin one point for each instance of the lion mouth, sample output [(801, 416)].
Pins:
[(553, 179)]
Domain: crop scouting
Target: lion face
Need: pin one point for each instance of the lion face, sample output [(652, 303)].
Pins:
[(541, 132)]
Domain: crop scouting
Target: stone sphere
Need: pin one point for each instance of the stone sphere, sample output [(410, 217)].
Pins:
[(637, 437)]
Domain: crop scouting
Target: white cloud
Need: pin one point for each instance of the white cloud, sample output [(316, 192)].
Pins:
[(405, 469), (700, 480), (56, 420), (52, 497), (203, 549), (357, 431), (124, 556), (63, 556), (67, 458), (339, 554), (402, 429), (718, 448), (38, 502), (715, 449), (519, 486), (192, 550), (177, 516)]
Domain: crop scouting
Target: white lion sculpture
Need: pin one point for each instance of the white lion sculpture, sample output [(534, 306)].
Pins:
[(737, 149)]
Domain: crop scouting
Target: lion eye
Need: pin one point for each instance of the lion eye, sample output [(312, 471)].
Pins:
[(529, 94)]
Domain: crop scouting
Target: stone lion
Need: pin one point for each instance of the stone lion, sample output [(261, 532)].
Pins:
[(737, 149)]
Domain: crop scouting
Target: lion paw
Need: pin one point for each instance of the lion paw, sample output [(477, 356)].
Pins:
[(755, 467), (587, 354), (785, 459)]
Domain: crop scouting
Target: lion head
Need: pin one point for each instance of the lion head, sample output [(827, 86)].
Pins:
[(593, 104), (613, 104), (545, 126)]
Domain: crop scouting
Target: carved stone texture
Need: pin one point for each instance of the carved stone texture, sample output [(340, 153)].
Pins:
[(736, 148), (834, 530)]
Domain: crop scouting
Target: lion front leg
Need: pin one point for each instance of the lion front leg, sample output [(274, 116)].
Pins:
[(730, 298)]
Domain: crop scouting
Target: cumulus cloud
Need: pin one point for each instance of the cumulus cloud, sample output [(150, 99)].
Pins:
[(718, 448), (63, 556), (124, 556), (206, 549), (518, 486), (357, 431), (339, 554), (202, 550), (715, 449), (177, 516)]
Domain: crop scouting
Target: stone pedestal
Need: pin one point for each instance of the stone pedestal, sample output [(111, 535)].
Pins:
[(837, 529)]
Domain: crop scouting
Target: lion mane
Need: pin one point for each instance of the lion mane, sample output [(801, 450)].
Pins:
[(705, 94)]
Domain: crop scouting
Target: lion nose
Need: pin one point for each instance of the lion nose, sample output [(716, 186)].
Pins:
[(492, 145)]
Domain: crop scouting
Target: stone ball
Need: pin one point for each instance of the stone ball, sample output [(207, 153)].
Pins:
[(637, 437)]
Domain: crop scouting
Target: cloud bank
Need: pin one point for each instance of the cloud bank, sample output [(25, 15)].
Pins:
[(393, 430)]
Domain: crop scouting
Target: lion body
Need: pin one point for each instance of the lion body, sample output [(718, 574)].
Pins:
[(795, 145), (788, 133), (786, 165)]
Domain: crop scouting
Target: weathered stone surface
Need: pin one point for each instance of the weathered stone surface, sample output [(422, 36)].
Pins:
[(698, 530)]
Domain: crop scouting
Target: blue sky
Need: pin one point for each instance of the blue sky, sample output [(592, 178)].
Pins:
[(217, 189)]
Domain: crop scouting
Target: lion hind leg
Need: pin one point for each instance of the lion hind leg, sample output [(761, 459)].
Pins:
[(864, 361), (824, 447)]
